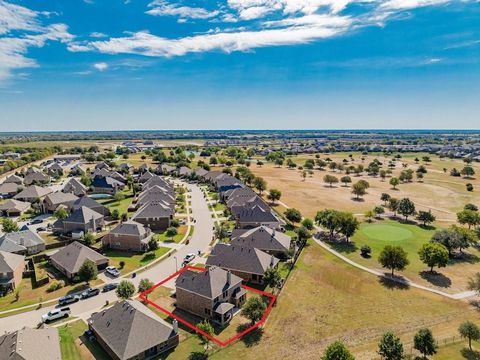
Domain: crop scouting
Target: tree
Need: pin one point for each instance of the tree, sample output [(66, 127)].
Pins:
[(378, 210), (303, 234), (390, 347), (433, 254), (119, 197), (308, 223), (152, 244), (86, 180), (330, 179), (393, 205), (171, 232), (346, 180), (260, 184), (337, 351), (60, 213), (88, 271), (293, 215), (365, 251), (469, 330), (426, 217), (274, 195), (468, 217), (115, 214), (394, 182), (88, 238), (9, 225), (144, 285), (470, 206), (347, 224), (254, 309), (272, 278), (406, 207), (393, 258), (424, 342), (206, 328), (369, 214), (328, 219), (468, 171), (385, 198), (125, 289), (359, 189), (474, 283)]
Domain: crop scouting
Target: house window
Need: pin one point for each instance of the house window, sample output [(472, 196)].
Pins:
[(208, 311), (254, 276), (151, 351), (225, 293)]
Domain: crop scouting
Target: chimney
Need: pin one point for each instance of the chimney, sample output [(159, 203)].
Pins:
[(175, 326), (272, 260), (229, 277)]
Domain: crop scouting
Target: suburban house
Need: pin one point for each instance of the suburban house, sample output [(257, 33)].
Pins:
[(32, 193), (79, 222), (102, 165), (147, 175), (166, 169), (156, 193), (158, 181), (214, 294), (200, 172), (129, 330), (11, 270), (183, 171), (90, 203), (227, 182), (263, 238), (54, 170), (24, 242), (13, 179), (128, 236), (239, 195), (100, 173), (117, 176), (69, 260), (7, 190), (31, 344), (75, 187), (237, 204), (251, 217), (212, 175), (155, 214), (106, 185), (125, 168), (12, 208), (52, 201), (36, 177), (248, 263)]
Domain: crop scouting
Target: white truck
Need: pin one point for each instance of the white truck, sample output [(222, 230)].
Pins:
[(56, 314)]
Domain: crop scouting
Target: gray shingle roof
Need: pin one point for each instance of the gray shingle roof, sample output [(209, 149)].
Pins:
[(130, 228), (83, 215), (210, 283), (255, 214), (13, 179), (9, 188), (245, 259), (72, 257), (31, 344), (130, 328), (153, 209), (58, 198), (9, 262), (20, 241), (261, 237), (12, 204), (90, 203), (33, 191)]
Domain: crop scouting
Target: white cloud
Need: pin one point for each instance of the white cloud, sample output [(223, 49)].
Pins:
[(101, 66), (163, 8), (411, 4), (15, 17), (98, 35), (255, 12)]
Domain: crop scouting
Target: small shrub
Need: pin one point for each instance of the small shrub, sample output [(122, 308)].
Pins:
[(56, 285), (366, 251), (122, 264), (469, 187)]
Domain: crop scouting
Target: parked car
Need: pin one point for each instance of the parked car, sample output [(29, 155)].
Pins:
[(35, 222), (56, 314), (41, 228), (90, 292), (188, 258), (112, 270), (109, 287), (68, 299)]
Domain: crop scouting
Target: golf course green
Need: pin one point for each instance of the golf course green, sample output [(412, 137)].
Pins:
[(386, 232)]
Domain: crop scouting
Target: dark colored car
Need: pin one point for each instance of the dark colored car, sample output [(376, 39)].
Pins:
[(41, 229), (90, 292), (109, 287), (36, 221), (68, 299)]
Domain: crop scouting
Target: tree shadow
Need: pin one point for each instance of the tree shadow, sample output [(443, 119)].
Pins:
[(197, 355), (395, 283), (426, 227), (344, 247), (475, 303), (357, 199), (436, 278), (251, 338), (470, 354), (464, 258)]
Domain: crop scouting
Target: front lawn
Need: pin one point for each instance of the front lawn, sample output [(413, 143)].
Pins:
[(74, 346), (133, 261), (182, 230)]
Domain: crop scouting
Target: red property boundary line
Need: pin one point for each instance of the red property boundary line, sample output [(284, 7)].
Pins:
[(193, 327)]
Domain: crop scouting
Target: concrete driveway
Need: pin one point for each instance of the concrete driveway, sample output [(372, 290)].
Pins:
[(200, 240)]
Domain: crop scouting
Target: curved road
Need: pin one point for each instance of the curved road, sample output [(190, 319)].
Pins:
[(200, 240)]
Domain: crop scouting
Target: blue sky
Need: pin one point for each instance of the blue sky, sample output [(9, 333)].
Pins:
[(239, 64)]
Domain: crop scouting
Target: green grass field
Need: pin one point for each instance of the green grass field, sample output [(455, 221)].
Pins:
[(133, 261), (458, 350), (410, 237)]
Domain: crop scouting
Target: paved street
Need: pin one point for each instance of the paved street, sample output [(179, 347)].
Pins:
[(201, 238)]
